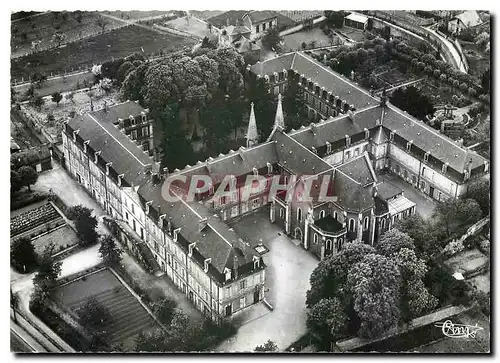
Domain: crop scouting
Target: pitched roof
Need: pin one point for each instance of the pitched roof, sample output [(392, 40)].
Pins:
[(351, 195), (120, 110), (357, 18), (469, 18), (386, 190), (244, 45), (429, 140), (320, 74), (237, 29), (30, 156), (214, 239), (359, 169), (257, 16), (380, 136), (114, 145)]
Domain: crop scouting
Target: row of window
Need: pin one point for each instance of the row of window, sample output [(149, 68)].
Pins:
[(263, 26), (328, 243)]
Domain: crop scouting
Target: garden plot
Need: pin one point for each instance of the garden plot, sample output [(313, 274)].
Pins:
[(62, 238), (35, 221), (467, 261), (128, 316), (41, 28), (314, 38)]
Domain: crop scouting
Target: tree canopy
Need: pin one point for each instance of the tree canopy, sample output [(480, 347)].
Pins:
[(413, 101), (272, 39), (268, 346), (23, 255), (109, 251), (28, 175), (86, 225)]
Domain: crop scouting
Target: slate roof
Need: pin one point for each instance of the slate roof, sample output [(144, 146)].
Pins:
[(216, 240), (257, 16), (30, 156), (380, 136), (334, 129), (429, 140), (351, 196), (115, 146), (386, 190), (121, 110), (318, 73), (329, 224), (238, 29), (359, 169)]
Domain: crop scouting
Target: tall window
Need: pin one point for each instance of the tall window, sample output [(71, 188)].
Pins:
[(328, 244), (335, 215), (322, 214), (366, 223), (383, 223), (351, 225), (315, 238), (299, 215), (281, 213)]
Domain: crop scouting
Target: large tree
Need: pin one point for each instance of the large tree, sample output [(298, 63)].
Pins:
[(454, 213), (16, 182), (423, 234), (109, 251), (86, 225), (56, 97), (327, 319), (294, 106), (23, 255), (392, 241), (29, 176), (335, 18), (413, 101), (479, 190), (272, 40), (48, 270), (375, 285)]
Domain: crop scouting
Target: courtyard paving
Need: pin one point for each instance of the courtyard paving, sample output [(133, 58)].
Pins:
[(425, 204), (287, 280)]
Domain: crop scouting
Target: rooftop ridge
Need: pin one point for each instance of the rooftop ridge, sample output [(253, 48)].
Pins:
[(337, 75), (135, 157)]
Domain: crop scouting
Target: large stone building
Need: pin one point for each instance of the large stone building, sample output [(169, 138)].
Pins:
[(356, 137)]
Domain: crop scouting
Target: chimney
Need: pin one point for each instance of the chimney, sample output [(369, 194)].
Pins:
[(350, 113), (383, 98), (120, 177), (161, 220), (469, 166), (236, 266), (154, 178), (314, 129)]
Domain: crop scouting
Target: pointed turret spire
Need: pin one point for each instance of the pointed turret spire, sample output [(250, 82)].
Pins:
[(279, 120), (252, 134)]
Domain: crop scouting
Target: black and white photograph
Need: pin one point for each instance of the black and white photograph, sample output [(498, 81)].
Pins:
[(250, 181)]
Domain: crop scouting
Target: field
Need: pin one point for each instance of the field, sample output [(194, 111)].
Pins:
[(42, 27), (194, 27), (128, 316), (294, 41), (117, 43), (138, 14)]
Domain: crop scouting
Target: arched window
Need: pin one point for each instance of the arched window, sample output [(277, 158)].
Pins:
[(383, 223), (366, 223), (281, 212), (299, 215), (335, 215), (328, 244), (315, 238), (322, 214), (340, 244), (351, 225)]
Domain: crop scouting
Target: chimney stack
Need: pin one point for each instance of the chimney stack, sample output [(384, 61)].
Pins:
[(383, 98), (202, 223)]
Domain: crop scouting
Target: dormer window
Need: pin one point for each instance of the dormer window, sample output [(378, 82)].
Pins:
[(444, 168), (227, 273), (233, 181), (176, 232), (408, 145), (120, 177), (143, 117), (206, 263), (108, 165), (328, 148), (132, 120), (466, 174), (313, 149), (96, 154), (391, 136), (85, 143), (191, 248), (148, 204), (367, 133), (347, 141), (74, 134), (426, 156), (269, 168), (255, 171), (256, 262)]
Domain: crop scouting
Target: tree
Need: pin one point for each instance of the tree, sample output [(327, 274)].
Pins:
[(101, 22), (58, 38), (331, 273), (327, 319), (28, 175), (23, 255), (86, 225), (164, 310), (413, 101), (294, 106), (423, 234), (48, 270), (15, 181), (30, 92), (14, 303), (106, 85), (38, 102), (392, 241), (272, 40), (109, 251), (124, 71), (56, 97), (269, 346), (13, 94), (93, 315), (479, 190), (486, 80), (454, 213), (70, 96), (375, 285), (335, 18), (74, 212)]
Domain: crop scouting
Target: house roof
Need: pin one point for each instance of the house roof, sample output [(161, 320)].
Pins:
[(238, 29), (469, 18), (429, 140), (115, 146), (120, 110), (329, 224), (258, 16), (31, 156), (386, 190), (359, 169), (213, 238), (351, 195), (399, 205), (358, 18), (380, 136), (318, 73)]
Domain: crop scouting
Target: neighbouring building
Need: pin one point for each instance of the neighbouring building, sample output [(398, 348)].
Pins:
[(39, 158), (356, 21), (259, 21), (465, 20)]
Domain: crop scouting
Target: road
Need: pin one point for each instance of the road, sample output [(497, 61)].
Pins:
[(454, 52)]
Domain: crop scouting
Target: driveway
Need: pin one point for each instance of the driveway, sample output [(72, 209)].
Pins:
[(287, 280)]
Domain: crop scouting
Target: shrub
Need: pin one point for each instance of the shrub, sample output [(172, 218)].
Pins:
[(453, 248), (484, 246)]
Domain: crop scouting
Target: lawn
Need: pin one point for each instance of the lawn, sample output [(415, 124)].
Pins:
[(62, 238), (115, 44), (194, 27), (139, 14), (42, 27), (478, 60), (294, 41), (128, 316)]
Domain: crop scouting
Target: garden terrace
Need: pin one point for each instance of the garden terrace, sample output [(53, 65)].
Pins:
[(34, 218), (128, 316)]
